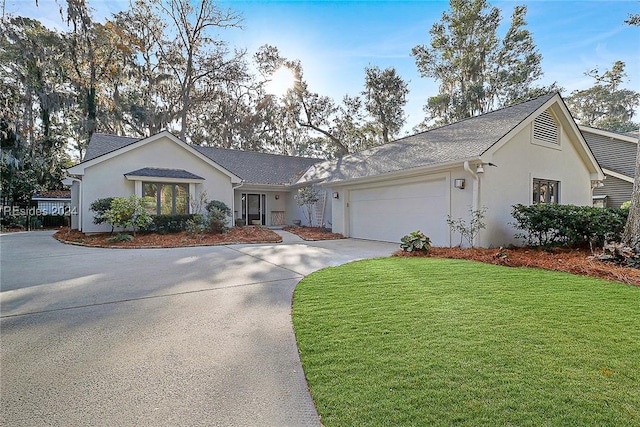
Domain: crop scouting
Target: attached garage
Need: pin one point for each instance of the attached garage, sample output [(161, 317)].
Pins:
[(391, 210)]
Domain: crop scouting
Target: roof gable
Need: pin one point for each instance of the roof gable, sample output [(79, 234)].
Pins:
[(128, 144), (464, 140), (246, 166)]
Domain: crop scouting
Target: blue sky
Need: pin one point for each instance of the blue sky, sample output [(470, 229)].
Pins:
[(336, 40)]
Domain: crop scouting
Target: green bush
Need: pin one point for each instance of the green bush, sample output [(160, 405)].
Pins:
[(415, 241), (120, 237), (164, 224), (100, 207), (471, 230), (128, 212), (549, 225), (218, 214)]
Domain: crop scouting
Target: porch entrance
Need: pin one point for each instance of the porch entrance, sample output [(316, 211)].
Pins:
[(254, 208)]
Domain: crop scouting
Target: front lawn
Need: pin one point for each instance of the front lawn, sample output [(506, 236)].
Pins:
[(424, 341)]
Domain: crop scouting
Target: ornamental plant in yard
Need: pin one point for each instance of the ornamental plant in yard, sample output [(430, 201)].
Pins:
[(307, 197), (128, 212), (415, 241), (471, 230)]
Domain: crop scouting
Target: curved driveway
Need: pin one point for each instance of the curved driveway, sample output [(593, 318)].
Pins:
[(191, 336)]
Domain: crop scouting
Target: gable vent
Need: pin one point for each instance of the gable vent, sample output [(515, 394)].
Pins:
[(545, 128)]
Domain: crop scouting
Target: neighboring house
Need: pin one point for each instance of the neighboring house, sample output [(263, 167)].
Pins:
[(531, 152), (616, 153), (54, 202), (256, 186), (528, 153)]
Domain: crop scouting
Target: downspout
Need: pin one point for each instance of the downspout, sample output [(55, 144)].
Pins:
[(475, 192), (475, 187)]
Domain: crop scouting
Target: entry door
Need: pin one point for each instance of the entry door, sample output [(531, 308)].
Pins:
[(253, 209)]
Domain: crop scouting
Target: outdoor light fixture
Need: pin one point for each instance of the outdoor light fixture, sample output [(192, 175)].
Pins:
[(458, 183), (277, 196), (336, 195)]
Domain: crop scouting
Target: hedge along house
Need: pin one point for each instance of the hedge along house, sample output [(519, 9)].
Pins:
[(258, 187), (616, 154), (531, 152)]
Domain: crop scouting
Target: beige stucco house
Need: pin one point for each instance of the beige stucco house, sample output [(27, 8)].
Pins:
[(531, 152), (528, 153), (256, 186)]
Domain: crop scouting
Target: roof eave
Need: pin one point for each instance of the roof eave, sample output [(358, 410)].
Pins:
[(404, 173)]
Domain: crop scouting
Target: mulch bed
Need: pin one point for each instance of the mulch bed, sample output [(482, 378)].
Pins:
[(574, 261), (172, 240), (314, 233)]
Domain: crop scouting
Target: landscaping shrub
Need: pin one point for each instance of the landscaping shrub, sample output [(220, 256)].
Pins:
[(415, 241), (218, 214), (471, 230), (164, 224), (307, 197), (549, 225), (120, 237), (100, 207), (128, 212)]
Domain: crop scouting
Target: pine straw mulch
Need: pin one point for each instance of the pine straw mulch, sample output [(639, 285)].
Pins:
[(573, 261), (314, 233), (173, 240)]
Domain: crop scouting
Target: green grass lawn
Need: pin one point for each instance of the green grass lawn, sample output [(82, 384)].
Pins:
[(423, 341)]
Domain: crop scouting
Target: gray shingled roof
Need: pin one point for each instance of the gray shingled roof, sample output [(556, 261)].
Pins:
[(164, 173), (102, 143), (466, 139), (252, 167), (259, 168)]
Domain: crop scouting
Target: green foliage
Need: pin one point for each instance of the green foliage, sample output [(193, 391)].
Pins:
[(196, 225), (626, 205), (385, 96), (100, 208), (218, 213), (475, 69), (441, 342), (120, 237), (471, 230), (164, 224), (128, 212), (415, 241), (307, 197), (549, 225), (606, 105)]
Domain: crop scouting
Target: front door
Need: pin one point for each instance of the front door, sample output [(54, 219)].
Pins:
[(253, 208)]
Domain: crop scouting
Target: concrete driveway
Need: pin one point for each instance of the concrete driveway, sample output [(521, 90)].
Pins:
[(191, 336)]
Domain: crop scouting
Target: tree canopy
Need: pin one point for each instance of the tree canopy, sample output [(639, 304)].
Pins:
[(477, 70)]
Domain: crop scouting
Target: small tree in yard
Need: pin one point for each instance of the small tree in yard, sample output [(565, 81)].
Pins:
[(128, 212), (307, 197), (470, 231), (100, 207), (218, 214)]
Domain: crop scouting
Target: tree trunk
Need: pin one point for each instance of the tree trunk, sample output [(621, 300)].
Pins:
[(631, 235)]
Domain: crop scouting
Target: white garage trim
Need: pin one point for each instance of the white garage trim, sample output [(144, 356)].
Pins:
[(387, 211)]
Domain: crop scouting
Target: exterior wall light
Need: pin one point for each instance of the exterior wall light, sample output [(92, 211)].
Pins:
[(458, 183), (336, 195), (277, 196)]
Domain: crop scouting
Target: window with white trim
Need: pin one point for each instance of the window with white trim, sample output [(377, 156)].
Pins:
[(166, 198), (545, 191), (545, 129)]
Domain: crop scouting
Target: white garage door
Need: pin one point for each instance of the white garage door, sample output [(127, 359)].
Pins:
[(389, 212)]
